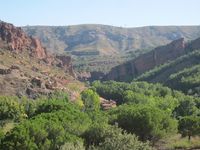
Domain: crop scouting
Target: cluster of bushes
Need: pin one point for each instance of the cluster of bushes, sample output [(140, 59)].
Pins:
[(146, 113), (151, 111), (55, 123), (187, 80)]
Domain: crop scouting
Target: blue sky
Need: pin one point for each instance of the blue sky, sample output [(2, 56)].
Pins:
[(126, 13)]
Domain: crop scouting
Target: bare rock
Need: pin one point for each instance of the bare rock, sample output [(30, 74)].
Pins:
[(37, 49), (5, 71), (16, 40), (145, 62), (36, 82), (66, 64)]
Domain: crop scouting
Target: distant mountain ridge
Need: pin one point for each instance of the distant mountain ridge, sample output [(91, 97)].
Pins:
[(97, 40)]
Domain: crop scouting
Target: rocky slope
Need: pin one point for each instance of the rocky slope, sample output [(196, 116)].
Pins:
[(182, 73), (148, 61), (84, 40), (26, 68), (17, 41)]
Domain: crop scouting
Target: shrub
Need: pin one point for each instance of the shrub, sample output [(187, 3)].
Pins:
[(147, 122), (91, 100), (11, 109), (103, 137), (189, 126)]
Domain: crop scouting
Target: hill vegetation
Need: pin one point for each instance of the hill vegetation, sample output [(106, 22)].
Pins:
[(181, 74), (140, 121), (43, 106)]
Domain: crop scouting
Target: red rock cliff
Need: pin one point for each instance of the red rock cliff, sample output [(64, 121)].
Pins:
[(147, 61), (15, 39), (66, 64)]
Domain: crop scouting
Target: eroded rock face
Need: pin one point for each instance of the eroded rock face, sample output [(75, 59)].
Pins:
[(5, 71), (107, 104), (159, 56), (32, 76), (16, 40), (37, 49), (147, 61), (66, 64)]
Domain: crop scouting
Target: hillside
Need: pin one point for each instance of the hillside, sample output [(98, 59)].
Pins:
[(108, 40), (152, 59), (65, 114), (27, 69), (96, 49), (181, 74)]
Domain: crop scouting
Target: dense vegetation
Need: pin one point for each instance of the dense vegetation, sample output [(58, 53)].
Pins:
[(146, 114), (187, 80), (181, 74), (151, 111), (56, 123)]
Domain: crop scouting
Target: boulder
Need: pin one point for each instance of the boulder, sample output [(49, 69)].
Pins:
[(5, 71)]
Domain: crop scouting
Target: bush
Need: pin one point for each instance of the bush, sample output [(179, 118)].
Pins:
[(189, 126), (147, 122), (11, 109), (186, 107), (1, 135), (103, 137), (51, 106), (91, 100), (48, 130), (73, 146)]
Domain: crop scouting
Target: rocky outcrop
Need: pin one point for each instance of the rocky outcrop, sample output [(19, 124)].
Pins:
[(107, 104), (147, 61), (16, 40), (66, 64), (5, 71), (37, 49), (83, 76), (26, 69), (36, 82)]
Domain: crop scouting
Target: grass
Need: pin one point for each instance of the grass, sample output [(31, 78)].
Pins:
[(184, 143), (178, 142), (9, 125)]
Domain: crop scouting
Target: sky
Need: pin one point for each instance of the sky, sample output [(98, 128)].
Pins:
[(124, 13)]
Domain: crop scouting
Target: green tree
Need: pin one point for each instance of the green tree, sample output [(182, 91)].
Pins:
[(59, 95), (186, 107), (104, 137), (189, 126), (73, 146), (91, 100), (134, 98), (147, 122), (49, 130), (51, 105), (1, 135), (11, 109)]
